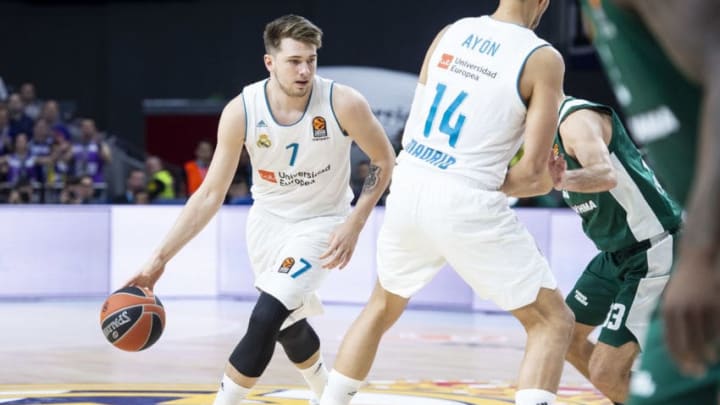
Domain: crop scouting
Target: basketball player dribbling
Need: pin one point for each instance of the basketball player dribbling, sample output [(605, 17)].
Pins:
[(486, 84), (663, 60), (297, 128)]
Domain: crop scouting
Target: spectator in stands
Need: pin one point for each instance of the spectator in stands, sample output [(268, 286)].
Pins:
[(32, 105), (69, 193), (86, 190), (22, 193), (41, 147), (161, 185), (134, 185), (142, 197), (4, 175), (21, 161), (239, 191), (5, 139), (195, 170), (51, 113), (90, 153), (19, 121), (61, 160)]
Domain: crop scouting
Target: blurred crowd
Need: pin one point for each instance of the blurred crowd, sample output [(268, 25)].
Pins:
[(47, 156), (44, 158)]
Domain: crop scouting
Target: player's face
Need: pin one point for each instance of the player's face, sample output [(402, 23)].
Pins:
[(542, 7), (293, 67)]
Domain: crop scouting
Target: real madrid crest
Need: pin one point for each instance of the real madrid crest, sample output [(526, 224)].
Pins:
[(264, 141)]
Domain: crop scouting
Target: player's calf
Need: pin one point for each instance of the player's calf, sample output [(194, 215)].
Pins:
[(610, 369), (302, 346)]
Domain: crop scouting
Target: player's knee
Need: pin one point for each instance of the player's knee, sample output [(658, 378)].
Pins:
[(384, 307), (564, 321), (299, 341), (268, 315), (252, 355), (548, 316), (558, 323)]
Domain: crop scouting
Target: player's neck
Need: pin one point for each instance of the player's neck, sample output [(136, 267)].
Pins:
[(512, 16), (283, 106)]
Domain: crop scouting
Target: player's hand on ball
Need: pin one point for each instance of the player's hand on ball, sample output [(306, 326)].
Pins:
[(147, 276)]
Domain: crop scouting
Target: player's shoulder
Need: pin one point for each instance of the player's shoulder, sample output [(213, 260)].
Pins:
[(346, 99), (544, 65), (234, 114), (236, 105), (546, 56)]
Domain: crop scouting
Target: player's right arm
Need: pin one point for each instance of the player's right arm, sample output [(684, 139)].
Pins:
[(207, 200), (586, 134), (542, 85)]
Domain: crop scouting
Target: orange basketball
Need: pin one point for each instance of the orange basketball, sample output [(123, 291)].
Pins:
[(132, 318)]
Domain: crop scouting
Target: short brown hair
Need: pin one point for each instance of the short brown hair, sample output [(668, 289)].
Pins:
[(291, 26)]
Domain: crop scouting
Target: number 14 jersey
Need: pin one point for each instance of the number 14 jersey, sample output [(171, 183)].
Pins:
[(469, 117)]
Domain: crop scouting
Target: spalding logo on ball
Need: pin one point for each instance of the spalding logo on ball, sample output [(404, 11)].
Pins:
[(132, 318)]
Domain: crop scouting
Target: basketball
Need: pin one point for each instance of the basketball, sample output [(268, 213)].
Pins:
[(132, 318)]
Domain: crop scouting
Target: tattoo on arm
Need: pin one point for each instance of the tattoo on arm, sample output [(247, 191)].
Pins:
[(372, 179)]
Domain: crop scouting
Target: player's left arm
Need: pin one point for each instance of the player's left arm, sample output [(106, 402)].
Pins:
[(691, 307), (586, 134), (541, 84), (358, 121), (688, 31)]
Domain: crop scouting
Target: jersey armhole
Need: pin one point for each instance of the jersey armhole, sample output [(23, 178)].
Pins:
[(600, 108), (246, 116), (332, 108), (522, 69)]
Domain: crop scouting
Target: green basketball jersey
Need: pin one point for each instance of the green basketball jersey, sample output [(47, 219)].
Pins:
[(637, 208), (661, 105)]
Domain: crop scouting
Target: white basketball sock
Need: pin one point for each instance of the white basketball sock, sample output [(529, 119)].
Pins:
[(534, 396), (340, 389), (230, 393), (316, 377)]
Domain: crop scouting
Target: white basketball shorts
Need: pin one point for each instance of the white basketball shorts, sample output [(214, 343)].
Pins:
[(433, 218), (284, 257)]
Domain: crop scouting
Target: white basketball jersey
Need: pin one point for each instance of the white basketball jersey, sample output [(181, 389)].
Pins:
[(300, 170), (469, 117)]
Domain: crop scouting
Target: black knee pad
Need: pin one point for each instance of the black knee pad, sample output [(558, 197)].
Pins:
[(299, 341), (252, 355)]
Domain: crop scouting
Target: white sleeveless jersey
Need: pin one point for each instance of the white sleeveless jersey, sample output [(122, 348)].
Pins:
[(300, 170), (469, 117)]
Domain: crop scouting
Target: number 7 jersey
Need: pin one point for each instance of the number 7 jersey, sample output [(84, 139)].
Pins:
[(300, 170), (469, 117)]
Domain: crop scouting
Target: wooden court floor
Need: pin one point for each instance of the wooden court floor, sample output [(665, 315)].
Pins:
[(53, 352)]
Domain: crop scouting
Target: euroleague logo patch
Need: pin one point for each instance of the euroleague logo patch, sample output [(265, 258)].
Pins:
[(286, 265), (380, 393), (319, 126)]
